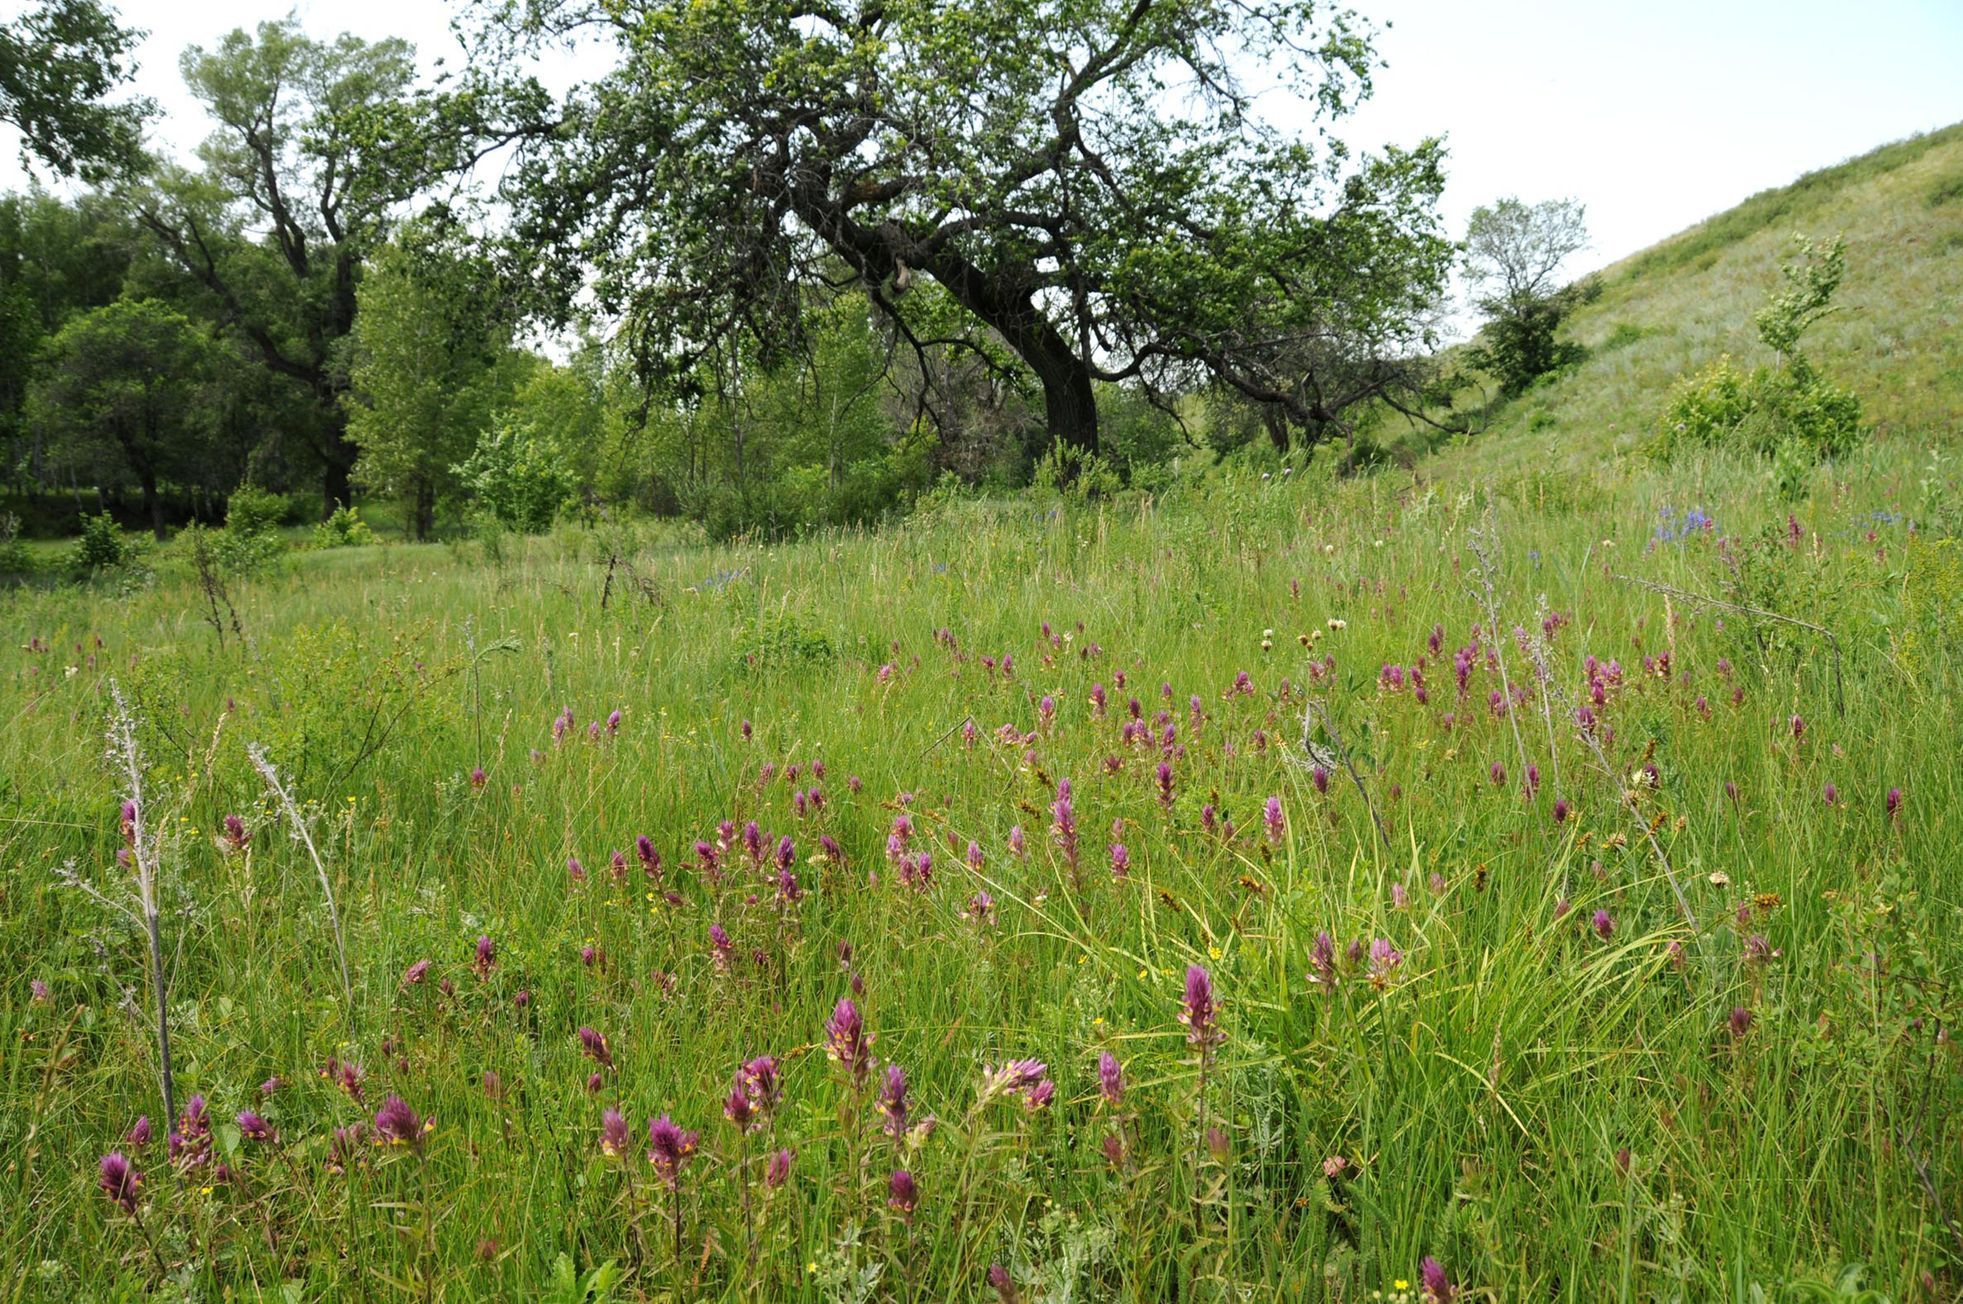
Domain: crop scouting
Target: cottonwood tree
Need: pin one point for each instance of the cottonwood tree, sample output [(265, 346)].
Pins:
[(1093, 182), (59, 64), (429, 360), (318, 146), (127, 386), (1513, 256)]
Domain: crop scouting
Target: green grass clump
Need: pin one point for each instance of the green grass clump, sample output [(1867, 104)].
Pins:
[(1515, 1053)]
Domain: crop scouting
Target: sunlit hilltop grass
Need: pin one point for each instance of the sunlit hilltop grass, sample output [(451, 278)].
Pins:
[(1515, 1054)]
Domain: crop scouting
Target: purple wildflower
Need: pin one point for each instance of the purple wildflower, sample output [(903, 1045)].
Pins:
[(669, 1148), (1437, 1287), (1120, 861), (902, 1193), (1894, 802), (613, 1134), (778, 1170), (255, 1128), (1322, 961), (119, 1179), (487, 956), (893, 1101), (1199, 1012), (397, 1124), (415, 973), (139, 1134), (1603, 924), (846, 1042), (1741, 1022), (596, 1048), (1110, 1079)]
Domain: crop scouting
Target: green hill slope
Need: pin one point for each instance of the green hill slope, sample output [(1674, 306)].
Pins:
[(1897, 339)]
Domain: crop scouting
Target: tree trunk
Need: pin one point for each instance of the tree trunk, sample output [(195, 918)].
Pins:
[(336, 485), (1069, 402), (154, 506), (425, 509)]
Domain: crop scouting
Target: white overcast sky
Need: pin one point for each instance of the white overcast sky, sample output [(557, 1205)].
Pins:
[(1654, 113)]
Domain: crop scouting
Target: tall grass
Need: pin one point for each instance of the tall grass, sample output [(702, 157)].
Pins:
[(1537, 1070)]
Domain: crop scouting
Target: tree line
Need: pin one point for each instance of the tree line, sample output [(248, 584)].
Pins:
[(797, 263)]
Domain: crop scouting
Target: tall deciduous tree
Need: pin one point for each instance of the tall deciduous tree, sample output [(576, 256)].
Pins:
[(317, 147), (59, 64), (125, 385), (1091, 181), (425, 372), (1513, 257)]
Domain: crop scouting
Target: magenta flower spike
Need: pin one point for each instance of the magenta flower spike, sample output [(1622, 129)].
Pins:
[(596, 1047), (778, 1170), (119, 1179), (1603, 924), (614, 1139), (1437, 1287), (893, 1101), (669, 1149), (1110, 1079), (902, 1193), (1199, 1012), (846, 1042), (397, 1124)]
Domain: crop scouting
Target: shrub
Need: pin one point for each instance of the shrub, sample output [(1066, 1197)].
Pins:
[(102, 545), (344, 529), (13, 553), (1789, 412), (518, 476), (254, 511)]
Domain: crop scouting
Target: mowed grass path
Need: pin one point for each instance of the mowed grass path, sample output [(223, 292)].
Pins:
[(1515, 1055)]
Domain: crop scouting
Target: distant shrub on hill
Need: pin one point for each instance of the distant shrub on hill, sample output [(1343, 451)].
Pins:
[(1789, 410)]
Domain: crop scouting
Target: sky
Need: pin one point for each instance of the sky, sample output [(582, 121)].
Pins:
[(1652, 113)]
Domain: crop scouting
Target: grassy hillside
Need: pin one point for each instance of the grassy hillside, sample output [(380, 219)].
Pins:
[(1897, 339)]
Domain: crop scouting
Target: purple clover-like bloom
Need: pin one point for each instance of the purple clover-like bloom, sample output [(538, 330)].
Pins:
[(902, 1192), (669, 1148), (1322, 961), (720, 947), (739, 1110), (139, 1134), (1017, 847), (1039, 1096), (846, 1042), (614, 1139), (1741, 1022), (1120, 861), (235, 836), (1199, 1012), (397, 1124), (596, 1047), (1110, 1079), (893, 1101), (487, 956), (119, 1179), (1271, 817), (1064, 822), (255, 1128), (1384, 960), (1604, 925), (1320, 776), (778, 1170), (1894, 802), (1437, 1287), (415, 973)]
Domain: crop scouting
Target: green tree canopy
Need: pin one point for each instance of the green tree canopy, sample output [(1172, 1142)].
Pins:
[(1090, 181), (123, 387), (429, 359), (59, 64), (318, 146)]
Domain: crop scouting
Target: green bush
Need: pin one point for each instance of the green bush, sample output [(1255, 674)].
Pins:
[(102, 545), (344, 529), (254, 511), (1789, 412), (13, 553), (518, 475)]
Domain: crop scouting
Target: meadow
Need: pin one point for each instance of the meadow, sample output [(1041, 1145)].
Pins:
[(1286, 888)]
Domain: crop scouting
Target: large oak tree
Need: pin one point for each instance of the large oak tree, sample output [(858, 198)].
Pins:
[(318, 147), (1105, 186)]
